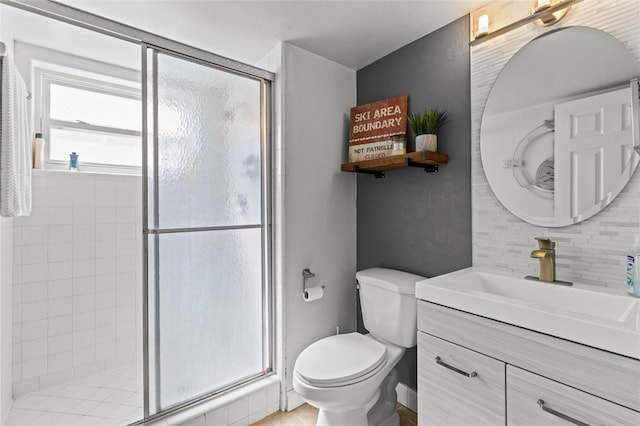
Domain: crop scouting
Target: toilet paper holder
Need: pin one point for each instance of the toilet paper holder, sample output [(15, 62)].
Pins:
[(306, 273)]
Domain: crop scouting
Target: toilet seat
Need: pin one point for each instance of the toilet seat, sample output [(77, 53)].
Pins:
[(340, 360)]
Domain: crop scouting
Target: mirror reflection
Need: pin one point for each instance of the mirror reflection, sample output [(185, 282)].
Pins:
[(557, 137)]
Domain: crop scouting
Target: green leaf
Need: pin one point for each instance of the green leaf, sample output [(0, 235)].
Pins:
[(429, 122)]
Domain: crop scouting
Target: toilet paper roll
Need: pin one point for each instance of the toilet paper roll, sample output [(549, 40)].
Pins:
[(313, 293)]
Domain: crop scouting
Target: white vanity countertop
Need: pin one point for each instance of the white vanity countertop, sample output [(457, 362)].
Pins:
[(601, 317)]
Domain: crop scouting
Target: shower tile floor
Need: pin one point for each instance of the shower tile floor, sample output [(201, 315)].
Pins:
[(111, 398)]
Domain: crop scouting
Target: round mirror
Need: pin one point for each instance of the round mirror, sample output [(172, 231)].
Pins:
[(557, 140)]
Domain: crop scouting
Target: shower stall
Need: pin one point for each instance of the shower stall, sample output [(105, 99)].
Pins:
[(141, 284), (206, 233)]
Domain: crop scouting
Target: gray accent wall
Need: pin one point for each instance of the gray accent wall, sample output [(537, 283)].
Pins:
[(411, 220)]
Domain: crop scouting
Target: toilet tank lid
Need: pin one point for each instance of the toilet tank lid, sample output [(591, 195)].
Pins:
[(389, 279)]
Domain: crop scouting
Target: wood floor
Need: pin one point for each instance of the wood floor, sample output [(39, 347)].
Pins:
[(306, 415)]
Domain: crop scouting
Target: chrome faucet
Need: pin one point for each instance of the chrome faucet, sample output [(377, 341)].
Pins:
[(546, 254)]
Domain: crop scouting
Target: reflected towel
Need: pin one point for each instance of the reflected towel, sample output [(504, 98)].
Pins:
[(15, 143)]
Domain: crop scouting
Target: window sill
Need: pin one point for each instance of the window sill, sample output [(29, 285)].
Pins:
[(43, 172)]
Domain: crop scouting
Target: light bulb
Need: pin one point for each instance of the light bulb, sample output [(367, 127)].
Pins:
[(483, 25), (542, 4)]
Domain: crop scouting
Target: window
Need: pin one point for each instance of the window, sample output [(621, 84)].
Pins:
[(99, 120)]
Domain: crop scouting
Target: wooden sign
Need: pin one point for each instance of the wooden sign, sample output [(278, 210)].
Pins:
[(372, 126)]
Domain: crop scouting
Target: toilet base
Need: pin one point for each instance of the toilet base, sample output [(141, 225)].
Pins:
[(393, 420), (356, 417), (379, 411), (384, 413)]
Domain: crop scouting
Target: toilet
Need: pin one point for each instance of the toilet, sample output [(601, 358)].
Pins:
[(351, 377)]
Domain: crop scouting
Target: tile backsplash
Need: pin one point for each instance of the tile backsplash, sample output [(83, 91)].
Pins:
[(594, 250), (76, 278)]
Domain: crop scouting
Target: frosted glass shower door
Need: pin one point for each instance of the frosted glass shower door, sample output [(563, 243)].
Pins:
[(207, 241)]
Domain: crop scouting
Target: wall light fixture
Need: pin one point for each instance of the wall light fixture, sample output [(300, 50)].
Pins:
[(548, 18), (480, 23), (543, 13)]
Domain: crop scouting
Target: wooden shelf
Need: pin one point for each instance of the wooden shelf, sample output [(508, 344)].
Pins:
[(427, 160)]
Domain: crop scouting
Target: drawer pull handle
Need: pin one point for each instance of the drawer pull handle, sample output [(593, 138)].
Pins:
[(558, 414), (457, 370)]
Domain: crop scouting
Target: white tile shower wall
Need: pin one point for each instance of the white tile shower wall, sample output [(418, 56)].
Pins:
[(76, 278), (6, 289), (594, 250)]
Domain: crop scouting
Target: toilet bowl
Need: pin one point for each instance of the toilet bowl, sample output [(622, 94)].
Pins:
[(350, 377), (342, 375)]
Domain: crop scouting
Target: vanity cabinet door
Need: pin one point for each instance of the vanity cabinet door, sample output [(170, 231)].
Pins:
[(457, 386), (536, 400)]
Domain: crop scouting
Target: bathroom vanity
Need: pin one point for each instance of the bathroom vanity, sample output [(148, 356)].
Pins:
[(476, 369)]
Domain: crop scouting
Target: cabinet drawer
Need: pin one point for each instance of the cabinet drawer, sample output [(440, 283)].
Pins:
[(609, 376), (448, 397), (525, 390)]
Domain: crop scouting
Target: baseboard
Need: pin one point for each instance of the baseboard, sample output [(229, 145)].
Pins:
[(407, 397), (293, 400)]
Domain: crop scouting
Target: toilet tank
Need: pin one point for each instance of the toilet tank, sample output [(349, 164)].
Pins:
[(388, 303)]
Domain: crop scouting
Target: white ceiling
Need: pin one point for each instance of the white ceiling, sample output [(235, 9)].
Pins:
[(351, 32)]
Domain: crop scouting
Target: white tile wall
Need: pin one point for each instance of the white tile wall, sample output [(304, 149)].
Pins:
[(6, 328), (594, 250), (77, 278)]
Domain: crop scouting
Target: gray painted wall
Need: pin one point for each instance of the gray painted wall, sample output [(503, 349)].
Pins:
[(412, 221)]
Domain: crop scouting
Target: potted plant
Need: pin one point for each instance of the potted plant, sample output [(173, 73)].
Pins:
[(426, 127)]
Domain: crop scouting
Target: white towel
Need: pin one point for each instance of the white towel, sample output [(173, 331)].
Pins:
[(15, 143)]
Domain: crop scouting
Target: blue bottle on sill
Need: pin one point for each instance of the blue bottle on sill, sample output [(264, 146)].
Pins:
[(73, 161)]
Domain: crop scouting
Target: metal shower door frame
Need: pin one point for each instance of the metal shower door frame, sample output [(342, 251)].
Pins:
[(146, 40), (151, 289)]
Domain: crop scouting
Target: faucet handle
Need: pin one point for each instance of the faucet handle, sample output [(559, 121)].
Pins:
[(545, 243)]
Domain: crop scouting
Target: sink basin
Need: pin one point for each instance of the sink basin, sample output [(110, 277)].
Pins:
[(587, 314)]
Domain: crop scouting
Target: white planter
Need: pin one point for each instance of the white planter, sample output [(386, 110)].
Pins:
[(427, 143)]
